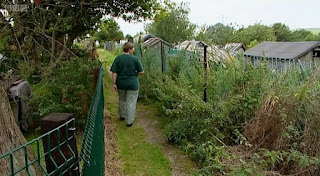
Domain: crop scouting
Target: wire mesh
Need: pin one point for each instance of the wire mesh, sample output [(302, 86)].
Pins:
[(34, 155), (92, 149)]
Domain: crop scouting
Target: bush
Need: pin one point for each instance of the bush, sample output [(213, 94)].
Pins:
[(65, 88)]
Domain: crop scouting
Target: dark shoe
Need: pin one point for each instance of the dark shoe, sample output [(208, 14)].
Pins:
[(129, 125), (122, 118)]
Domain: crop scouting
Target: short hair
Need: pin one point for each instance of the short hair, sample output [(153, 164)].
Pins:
[(127, 46)]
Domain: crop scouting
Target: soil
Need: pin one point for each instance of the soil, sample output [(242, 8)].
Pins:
[(113, 163)]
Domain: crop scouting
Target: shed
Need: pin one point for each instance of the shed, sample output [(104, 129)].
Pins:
[(282, 55), (154, 41), (159, 48), (143, 37)]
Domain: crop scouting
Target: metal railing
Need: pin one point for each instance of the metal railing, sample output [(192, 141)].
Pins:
[(34, 155)]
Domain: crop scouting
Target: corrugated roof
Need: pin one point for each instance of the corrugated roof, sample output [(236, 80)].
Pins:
[(191, 45), (214, 52), (284, 50), (147, 37), (217, 53), (143, 37), (152, 41), (234, 46)]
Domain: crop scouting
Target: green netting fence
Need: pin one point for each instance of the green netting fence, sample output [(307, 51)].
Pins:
[(33, 162), (29, 159), (92, 150)]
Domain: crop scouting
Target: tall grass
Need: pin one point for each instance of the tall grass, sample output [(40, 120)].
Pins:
[(255, 109)]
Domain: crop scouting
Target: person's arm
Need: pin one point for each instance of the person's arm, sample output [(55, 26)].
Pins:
[(97, 55), (140, 73), (114, 81), (114, 70), (139, 67)]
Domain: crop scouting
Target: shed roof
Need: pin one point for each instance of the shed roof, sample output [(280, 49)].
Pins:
[(191, 45), (152, 41), (234, 47), (147, 37), (217, 53), (143, 37), (283, 50)]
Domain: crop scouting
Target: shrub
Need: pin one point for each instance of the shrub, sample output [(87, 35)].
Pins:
[(66, 88)]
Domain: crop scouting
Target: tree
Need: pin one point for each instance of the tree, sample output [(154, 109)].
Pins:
[(317, 37), (282, 32), (128, 36), (221, 34), (256, 32), (47, 30), (11, 138), (303, 35), (204, 35), (172, 23), (109, 30)]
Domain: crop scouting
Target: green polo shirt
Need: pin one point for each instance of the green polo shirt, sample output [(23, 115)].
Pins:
[(127, 67)]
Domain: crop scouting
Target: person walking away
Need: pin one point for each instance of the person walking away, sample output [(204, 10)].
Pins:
[(125, 70)]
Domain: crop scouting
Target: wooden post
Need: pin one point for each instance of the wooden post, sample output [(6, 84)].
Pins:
[(162, 56), (245, 62), (205, 73), (49, 123)]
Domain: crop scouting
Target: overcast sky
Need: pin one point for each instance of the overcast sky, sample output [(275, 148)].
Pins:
[(294, 13)]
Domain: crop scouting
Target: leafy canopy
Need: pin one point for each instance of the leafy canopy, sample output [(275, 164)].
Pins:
[(109, 30), (256, 32), (49, 28), (172, 23)]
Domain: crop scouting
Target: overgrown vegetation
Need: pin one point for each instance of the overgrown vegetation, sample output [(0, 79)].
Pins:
[(39, 44), (65, 88), (255, 122)]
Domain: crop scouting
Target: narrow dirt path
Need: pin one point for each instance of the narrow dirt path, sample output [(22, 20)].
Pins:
[(146, 117), (180, 163), (113, 163)]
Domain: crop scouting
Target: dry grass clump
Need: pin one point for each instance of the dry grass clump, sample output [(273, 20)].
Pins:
[(267, 127), (289, 122), (312, 141)]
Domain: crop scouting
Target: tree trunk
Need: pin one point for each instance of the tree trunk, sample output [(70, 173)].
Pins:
[(11, 138)]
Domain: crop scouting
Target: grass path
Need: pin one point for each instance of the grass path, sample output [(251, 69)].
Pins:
[(140, 150), (133, 155), (180, 164)]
